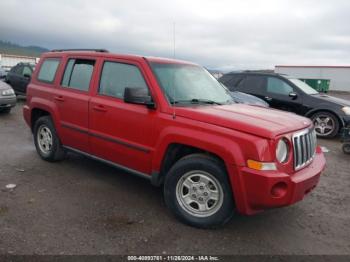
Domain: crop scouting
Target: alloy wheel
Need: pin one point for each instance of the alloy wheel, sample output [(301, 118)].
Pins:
[(324, 125)]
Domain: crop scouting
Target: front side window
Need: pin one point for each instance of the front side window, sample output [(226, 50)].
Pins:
[(27, 71), (48, 70), (278, 86), (78, 74), (303, 86), (117, 76), (184, 83)]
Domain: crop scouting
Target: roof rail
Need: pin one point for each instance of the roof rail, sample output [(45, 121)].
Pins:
[(81, 49)]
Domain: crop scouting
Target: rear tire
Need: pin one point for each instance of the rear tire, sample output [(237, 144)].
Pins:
[(198, 192), (47, 143), (326, 124)]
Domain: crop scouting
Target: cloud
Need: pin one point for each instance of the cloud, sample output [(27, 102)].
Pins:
[(217, 34)]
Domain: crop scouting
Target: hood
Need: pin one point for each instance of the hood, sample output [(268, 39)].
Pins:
[(255, 120), (339, 101), (4, 86), (244, 98)]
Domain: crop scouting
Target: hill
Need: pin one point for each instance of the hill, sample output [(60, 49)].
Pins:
[(15, 49)]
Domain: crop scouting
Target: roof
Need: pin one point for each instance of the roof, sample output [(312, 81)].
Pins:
[(55, 53), (252, 73)]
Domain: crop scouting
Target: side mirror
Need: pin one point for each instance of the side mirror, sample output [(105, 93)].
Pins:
[(138, 96), (28, 76), (293, 95)]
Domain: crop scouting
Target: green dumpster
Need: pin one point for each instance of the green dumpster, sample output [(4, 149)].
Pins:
[(321, 85)]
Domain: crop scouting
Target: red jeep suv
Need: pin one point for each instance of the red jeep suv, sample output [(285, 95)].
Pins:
[(171, 122)]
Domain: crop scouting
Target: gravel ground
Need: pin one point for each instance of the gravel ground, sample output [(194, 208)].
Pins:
[(80, 206)]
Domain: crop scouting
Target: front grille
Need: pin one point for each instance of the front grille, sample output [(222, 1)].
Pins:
[(304, 144)]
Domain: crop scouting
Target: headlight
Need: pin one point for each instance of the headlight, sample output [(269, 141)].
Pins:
[(346, 110), (7, 92), (282, 150)]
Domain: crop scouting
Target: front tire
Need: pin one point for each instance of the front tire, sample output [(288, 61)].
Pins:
[(198, 192), (47, 143), (326, 124)]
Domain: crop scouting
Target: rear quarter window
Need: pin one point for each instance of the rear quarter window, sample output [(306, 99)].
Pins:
[(48, 70)]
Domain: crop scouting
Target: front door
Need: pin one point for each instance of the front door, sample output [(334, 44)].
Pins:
[(281, 95), (25, 79), (121, 132)]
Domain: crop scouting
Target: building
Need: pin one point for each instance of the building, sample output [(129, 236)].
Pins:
[(338, 76), (8, 61)]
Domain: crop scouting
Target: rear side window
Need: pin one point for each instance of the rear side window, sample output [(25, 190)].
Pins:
[(225, 78), (235, 82), (78, 74), (117, 76), (254, 85), (48, 70)]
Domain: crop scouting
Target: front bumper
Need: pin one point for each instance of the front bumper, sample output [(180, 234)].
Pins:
[(7, 101), (346, 121), (270, 189)]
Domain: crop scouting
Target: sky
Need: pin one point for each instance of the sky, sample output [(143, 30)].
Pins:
[(224, 35)]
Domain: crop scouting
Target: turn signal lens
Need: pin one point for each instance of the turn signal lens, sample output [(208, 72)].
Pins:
[(261, 165)]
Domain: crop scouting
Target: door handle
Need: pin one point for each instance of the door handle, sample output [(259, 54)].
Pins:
[(59, 98), (100, 108), (268, 98)]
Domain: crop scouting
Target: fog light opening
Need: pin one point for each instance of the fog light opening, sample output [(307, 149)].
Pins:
[(279, 190)]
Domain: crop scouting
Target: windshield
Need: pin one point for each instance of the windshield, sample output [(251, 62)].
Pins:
[(190, 84), (303, 86)]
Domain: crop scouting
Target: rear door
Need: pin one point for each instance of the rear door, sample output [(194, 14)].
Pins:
[(14, 77), (121, 132), (72, 101)]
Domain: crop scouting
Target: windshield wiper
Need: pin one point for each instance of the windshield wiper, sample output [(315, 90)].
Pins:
[(197, 101)]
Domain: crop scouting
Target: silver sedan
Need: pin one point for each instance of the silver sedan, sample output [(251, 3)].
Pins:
[(7, 98)]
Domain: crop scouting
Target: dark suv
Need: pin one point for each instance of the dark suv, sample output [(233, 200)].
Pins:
[(19, 77), (287, 93)]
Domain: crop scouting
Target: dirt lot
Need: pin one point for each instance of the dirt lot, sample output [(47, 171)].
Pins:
[(81, 206)]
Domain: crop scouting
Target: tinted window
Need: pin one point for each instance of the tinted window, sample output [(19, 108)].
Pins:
[(116, 77), (78, 74), (18, 69), (48, 70), (225, 78), (235, 81), (254, 85), (278, 86), (27, 71)]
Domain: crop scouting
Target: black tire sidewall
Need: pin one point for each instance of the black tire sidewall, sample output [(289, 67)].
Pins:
[(46, 121), (336, 122), (346, 148), (207, 164)]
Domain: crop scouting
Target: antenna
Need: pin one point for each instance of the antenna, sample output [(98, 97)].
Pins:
[(174, 55)]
